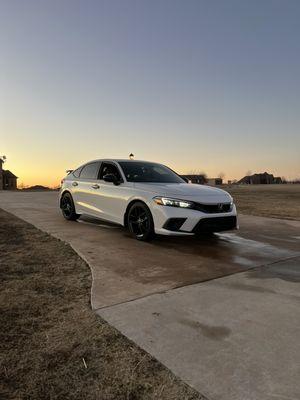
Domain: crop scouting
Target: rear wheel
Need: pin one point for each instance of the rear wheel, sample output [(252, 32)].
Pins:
[(140, 222), (68, 208)]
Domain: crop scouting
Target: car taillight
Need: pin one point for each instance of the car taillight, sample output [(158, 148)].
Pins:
[(62, 181)]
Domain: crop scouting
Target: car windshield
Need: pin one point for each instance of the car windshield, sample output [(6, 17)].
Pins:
[(146, 172)]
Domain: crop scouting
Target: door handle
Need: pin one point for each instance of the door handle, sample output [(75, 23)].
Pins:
[(95, 186), (74, 183)]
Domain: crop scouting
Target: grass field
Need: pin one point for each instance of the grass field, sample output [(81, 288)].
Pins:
[(52, 346), (276, 201)]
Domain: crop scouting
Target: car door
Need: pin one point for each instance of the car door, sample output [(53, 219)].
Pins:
[(85, 189), (111, 198)]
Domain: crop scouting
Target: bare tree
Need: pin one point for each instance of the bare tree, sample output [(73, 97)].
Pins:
[(221, 175), (248, 173)]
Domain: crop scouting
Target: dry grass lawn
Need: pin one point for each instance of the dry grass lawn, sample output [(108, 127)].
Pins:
[(52, 345), (276, 201)]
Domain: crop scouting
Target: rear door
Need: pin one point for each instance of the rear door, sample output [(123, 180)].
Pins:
[(86, 188)]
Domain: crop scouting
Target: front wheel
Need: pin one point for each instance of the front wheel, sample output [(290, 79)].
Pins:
[(140, 222), (68, 208)]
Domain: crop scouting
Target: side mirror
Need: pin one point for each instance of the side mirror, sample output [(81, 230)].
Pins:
[(111, 178)]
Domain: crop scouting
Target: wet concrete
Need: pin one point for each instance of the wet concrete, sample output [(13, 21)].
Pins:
[(124, 269)]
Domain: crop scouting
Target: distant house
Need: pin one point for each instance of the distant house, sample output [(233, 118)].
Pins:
[(277, 179), (192, 178), (214, 181), (8, 181), (263, 178)]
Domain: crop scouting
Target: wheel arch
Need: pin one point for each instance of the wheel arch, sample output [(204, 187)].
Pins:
[(133, 201), (62, 195)]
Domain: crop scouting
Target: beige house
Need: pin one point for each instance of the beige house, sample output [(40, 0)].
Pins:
[(8, 181), (202, 179), (193, 178), (214, 181)]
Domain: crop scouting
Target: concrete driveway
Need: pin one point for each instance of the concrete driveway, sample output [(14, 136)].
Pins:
[(222, 312)]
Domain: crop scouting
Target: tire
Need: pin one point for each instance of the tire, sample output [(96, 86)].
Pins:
[(140, 222), (68, 208)]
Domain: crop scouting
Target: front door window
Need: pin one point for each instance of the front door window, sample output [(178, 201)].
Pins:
[(108, 168)]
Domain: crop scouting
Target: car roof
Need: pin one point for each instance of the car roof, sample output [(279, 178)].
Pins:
[(121, 160)]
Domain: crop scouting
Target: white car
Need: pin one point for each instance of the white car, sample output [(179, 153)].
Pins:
[(146, 197)]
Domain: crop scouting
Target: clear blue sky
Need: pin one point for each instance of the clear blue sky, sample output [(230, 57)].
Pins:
[(199, 85)]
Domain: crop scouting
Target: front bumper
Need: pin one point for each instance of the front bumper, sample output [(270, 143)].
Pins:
[(179, 221)]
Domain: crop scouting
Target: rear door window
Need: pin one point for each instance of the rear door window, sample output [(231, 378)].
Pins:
[(90, 171), (77, 171)]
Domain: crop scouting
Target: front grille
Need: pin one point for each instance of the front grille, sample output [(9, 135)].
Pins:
[(213, 208), (217, 224)]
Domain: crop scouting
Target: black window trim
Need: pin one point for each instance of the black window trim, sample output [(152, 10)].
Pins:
[(77, 169)]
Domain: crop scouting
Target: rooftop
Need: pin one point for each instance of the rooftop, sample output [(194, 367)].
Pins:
[(9, 174)]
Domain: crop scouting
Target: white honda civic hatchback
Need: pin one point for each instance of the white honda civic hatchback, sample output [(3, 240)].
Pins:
[(146, 197)]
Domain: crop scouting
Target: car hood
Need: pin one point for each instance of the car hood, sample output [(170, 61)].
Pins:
[(187, 191)]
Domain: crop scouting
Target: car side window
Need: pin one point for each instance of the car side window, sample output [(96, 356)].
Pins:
[(108, 168), (77, 171), (90, 171)]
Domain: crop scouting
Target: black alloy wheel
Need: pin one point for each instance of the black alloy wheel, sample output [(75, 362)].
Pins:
[(140, 222), (68, 208)]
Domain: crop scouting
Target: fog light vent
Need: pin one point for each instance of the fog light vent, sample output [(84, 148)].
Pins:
[(174, 224)]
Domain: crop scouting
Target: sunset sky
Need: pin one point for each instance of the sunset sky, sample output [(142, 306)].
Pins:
[(198, 85)]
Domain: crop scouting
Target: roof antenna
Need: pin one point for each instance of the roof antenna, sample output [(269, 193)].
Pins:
[(131, 156)]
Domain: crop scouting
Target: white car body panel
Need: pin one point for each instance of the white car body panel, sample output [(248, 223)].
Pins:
[(109, 201)]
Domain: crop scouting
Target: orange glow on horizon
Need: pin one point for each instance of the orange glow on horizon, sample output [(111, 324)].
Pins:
[(30, 177), (47, 168)]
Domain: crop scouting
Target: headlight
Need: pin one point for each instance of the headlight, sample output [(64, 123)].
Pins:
[(166, 201)]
